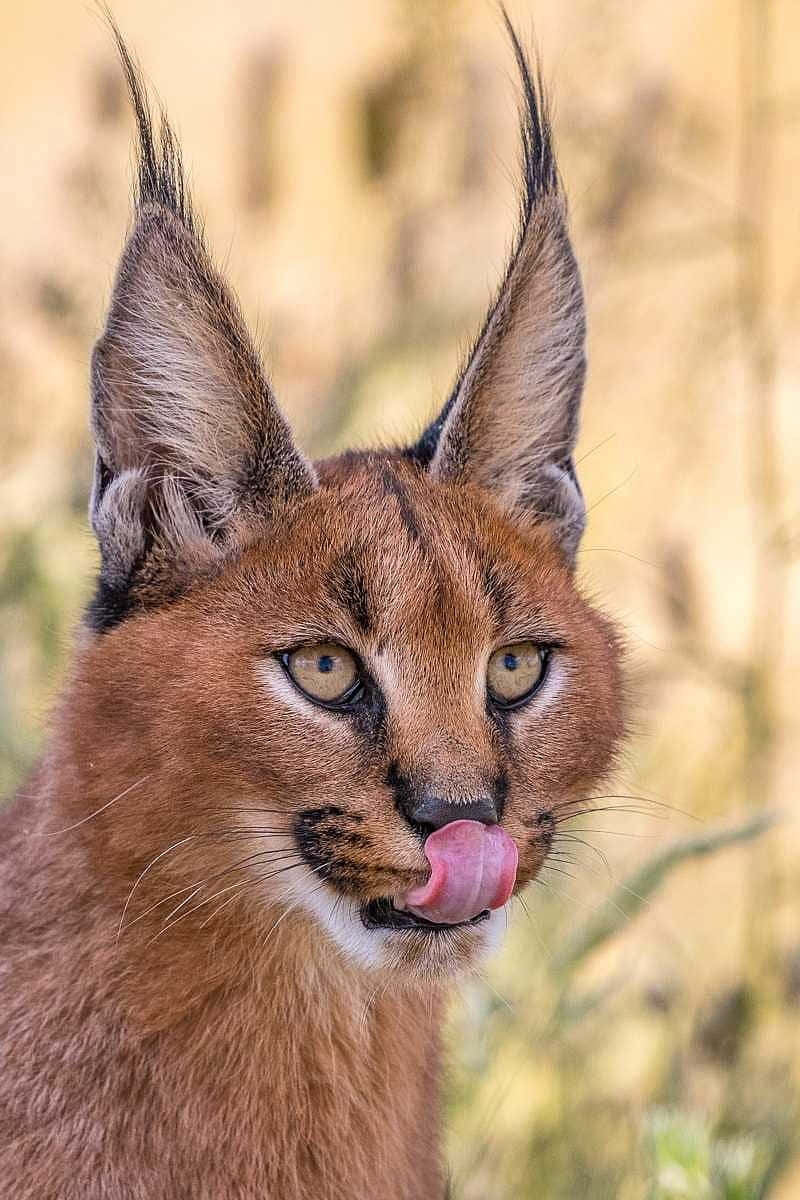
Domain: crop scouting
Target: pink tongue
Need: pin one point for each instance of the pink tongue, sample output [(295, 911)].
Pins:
[(473, 867)]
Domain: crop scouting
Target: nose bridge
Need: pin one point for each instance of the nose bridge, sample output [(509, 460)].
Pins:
[(440, 730), (449, 771), (443, 749), (453, 764), (447, 779), (441, 719)]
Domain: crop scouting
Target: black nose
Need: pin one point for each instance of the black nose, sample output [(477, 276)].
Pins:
[(435, 811)]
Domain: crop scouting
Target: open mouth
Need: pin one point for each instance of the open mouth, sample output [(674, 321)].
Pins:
[(382, 914)]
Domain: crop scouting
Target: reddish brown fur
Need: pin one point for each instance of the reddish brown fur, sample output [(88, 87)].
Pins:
[(181, 1015), (230, 1060)]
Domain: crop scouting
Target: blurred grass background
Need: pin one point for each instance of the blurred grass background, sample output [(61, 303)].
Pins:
[(639, 1035)]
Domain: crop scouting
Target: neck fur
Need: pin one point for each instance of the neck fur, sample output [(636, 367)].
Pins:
[(249, 1035)]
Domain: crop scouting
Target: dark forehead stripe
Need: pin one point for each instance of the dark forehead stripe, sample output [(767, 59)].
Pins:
[(497, 587), (396, 488), (347, 585)]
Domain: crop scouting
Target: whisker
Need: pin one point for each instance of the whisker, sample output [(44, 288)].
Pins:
[(534, 926), (289, 908), (487, 983), (568, 859), (152, 863), (102, 807), (211, 879), (157, 904), (220, 907), (582, 842), (178, 907), (238, 834), (612, 490), (293, 906), (596, 446), (629, 833), (242, 888), (611, 808), (377, 995), (615, 550), (267, 812), (550, 867), (183, 916), (596, 871), (654, 801), (592, 908)]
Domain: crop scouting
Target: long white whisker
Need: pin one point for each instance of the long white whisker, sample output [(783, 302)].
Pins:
[(177, 909), (102, 807), (157, 904), (152, 863), (221, 906), (175, 920)]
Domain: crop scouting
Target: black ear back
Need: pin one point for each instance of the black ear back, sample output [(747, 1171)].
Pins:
[(511, 422), (189, 438)]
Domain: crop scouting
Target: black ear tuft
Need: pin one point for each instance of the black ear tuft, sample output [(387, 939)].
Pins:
[(160, 178), (540, 173), (511, 421)]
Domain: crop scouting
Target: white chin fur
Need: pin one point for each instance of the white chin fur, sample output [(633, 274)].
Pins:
[(376, 948)]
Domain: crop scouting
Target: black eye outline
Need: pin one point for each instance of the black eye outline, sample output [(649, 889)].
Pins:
[(348, 701), (545, 650)]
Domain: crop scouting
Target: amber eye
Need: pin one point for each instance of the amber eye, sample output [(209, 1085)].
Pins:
[(326, 672), (514, 672)]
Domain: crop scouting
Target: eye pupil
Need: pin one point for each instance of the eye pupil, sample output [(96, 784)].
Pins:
[(325, 663), (511, 662)]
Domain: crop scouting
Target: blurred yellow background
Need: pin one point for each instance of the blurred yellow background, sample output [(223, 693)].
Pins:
[(355, 163)]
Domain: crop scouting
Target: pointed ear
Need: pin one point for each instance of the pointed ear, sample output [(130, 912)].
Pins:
[(511, 422), (190, 443)]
